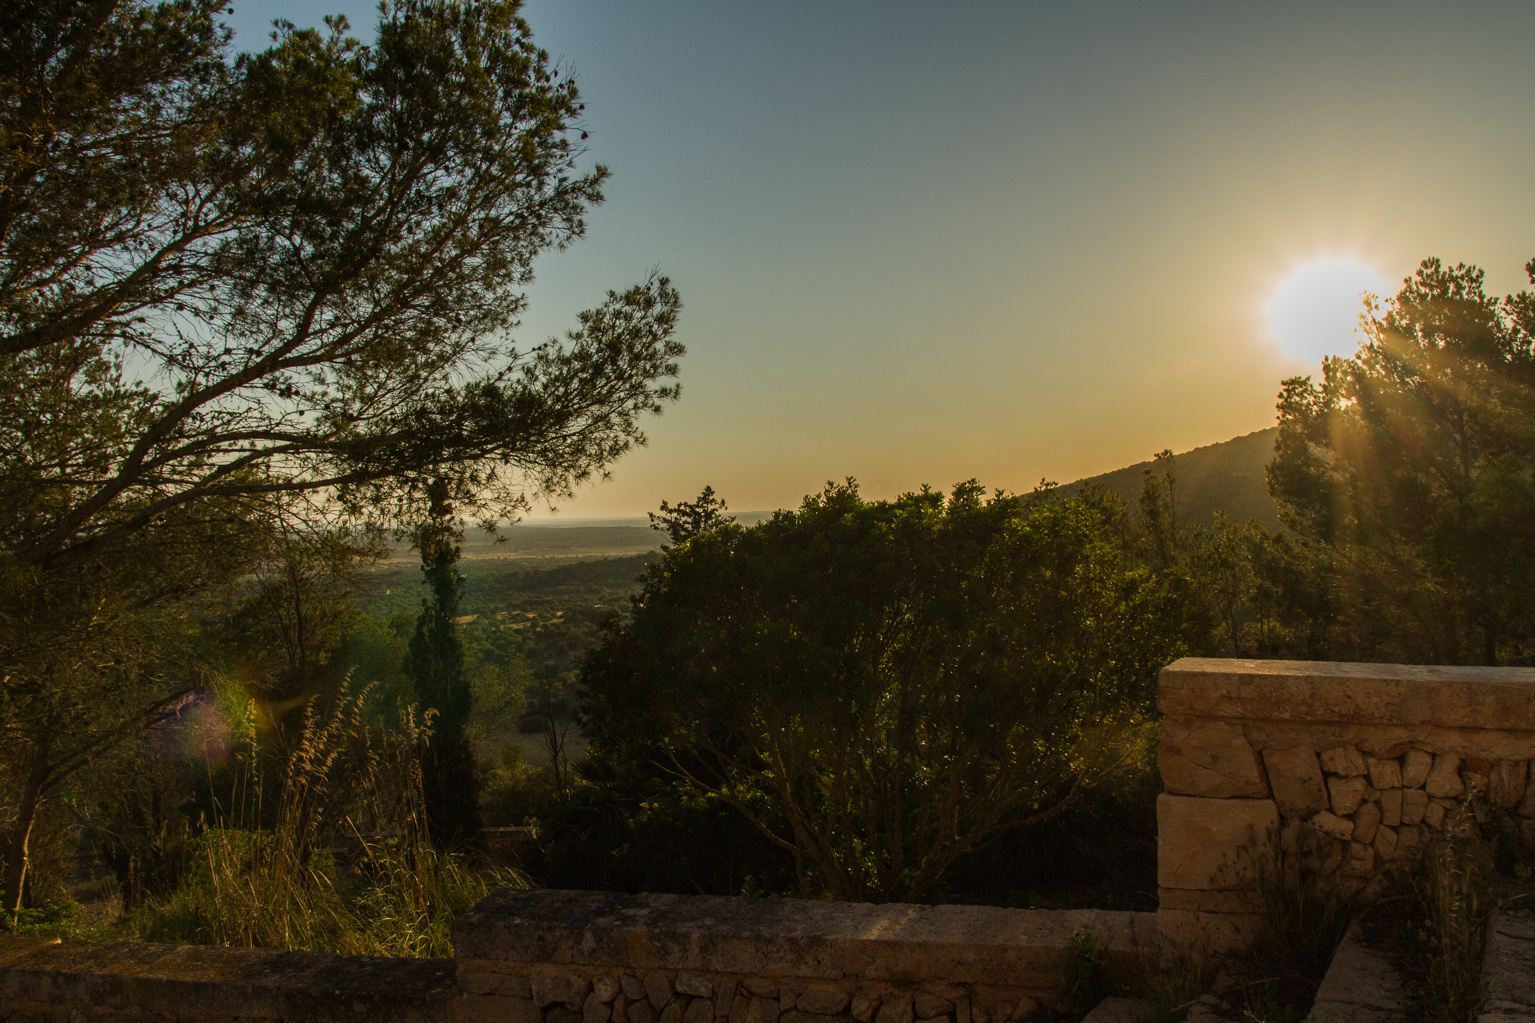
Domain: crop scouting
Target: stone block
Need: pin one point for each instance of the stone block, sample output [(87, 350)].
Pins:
[(1363, 985), (1444, 777), (566, 989), (642, 1011), (1476, 783), (1415, 767), (693, 984), (1384, 774), (1211, 933), (676, 1007), (1333, 826), (895, 1010), (1361, 859), (1385, 843), (761, 987), (823, 1003), (739, 1007), (560, 1014), (1391, 807), (1366, 820), (1433, 815), (597, 1011), (1119, 1010), (1296, 780), (605, 987), (620, 1005), (1241, 900), (634, 988), (724, 996), (928, 1006), (1346, 794), (1414, 802), (1345, 761), (658, 988), (1208, 758), (699, 1010), (471, 1008), (1508, 781), (1212, 843), (863, 1006)]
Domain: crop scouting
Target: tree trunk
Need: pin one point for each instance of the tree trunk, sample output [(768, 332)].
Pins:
[(16, 841)]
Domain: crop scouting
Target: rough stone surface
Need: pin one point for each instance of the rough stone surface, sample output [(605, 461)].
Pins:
[(1385, 843), (693, 984), (1414, 802), (1391, 807), (1208, 758), (700, 1010), (825, 1003), (895, 1010), (97, 980), (658, 986), (1366, 821), (1361, 986), (1344, 760), (642, 1011), (1212, 843), (1416, 764), (1333, 825), (929, 1006), (1296, 780), (1346, 794), (1444, 777), (1119, 1010), (1508, 967), (863, 1006), (1212, 932), (1385, 774), (1508, 780)]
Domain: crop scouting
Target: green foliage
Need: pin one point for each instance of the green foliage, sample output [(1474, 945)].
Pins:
[(1407, 473), (901, 682), (1083, 982), (1453, 905)]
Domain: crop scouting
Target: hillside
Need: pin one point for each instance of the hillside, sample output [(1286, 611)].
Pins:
[(1227, 477)]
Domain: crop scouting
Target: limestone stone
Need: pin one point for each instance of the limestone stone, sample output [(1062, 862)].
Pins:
[(1366, 820), (489, 1009), (621, 1008), (824, 1003), (562, 988), (693, 984), (658, 988), (1115, 1009), (1211, 933), (1362, 985), (560, 1014), (1208, 758), (1481, 765), (677, 1006), (1345, 761), (796, 1016), (1213, 843), (1526, 807), (724, 995), (1508, 967), (764, 1010), (1242, 900), (786, 996), (761, 986), (1508, 781), (1384, 774), (1409, 838), (863, 1006), (1391, 807), (1333, 825), (699, 1010), (895, 1010), (1415, 767), (1476, 782), (1433, 815), (945, 1018), (1361, 859), (1296, 780), (1346, 794), (928, 1006), (643, 1012), (1414, 802), (634, 989), (1385, 843), (1444, 777), (605, 987), (738, 1009), (597, 1011), (962, 1010)]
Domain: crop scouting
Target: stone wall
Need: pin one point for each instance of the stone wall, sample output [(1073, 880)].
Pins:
[(46, 981), (592, 957), (1355, 765)]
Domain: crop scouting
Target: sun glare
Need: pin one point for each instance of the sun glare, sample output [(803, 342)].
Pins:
[(1315, 312)]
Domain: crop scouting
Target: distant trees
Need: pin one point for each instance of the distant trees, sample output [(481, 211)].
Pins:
[(236, 286), (1408, 474), (884, 687)]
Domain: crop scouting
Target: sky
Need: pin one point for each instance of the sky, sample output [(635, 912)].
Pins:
[(923, 242)]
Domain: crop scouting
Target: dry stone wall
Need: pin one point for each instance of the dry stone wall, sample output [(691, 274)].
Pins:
[(1356, 766), (592, 957)]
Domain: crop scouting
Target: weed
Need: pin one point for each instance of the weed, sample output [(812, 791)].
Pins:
[(1453, 903)]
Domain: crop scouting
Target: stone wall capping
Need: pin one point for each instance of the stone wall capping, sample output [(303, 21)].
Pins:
[(1368, 694)]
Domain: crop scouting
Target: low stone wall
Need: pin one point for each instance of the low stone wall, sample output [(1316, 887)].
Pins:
[(1358, 765), (564, 957), (46, 981)]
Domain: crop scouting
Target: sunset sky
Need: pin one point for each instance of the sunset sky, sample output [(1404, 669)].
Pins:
[(923, 242)]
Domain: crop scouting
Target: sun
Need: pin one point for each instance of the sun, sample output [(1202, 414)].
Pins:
[(1315, 312)]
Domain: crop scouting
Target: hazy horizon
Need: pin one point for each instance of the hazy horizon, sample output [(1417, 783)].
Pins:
[(921, 243)]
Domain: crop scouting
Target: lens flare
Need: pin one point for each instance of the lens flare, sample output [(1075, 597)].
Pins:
[(1315, 312)]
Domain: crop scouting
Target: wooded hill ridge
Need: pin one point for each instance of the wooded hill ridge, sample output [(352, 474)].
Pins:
[(1228, 477)]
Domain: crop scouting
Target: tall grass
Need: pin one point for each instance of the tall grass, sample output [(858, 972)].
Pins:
[(1454, 903), (343, 866)]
